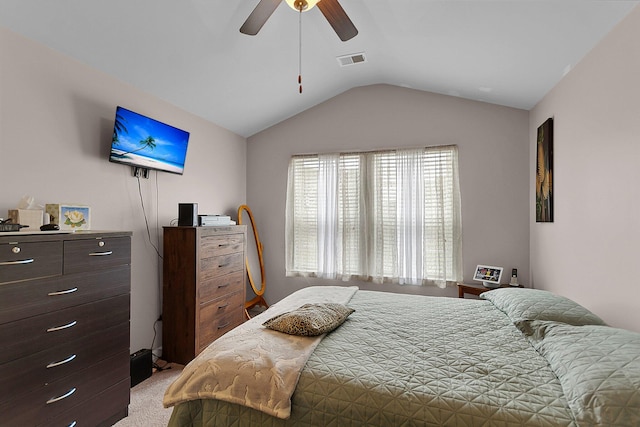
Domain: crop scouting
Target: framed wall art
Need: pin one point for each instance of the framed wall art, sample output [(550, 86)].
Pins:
[(544, 172)]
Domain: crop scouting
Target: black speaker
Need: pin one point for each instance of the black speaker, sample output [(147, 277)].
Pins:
[(141, 366), (188, 214)]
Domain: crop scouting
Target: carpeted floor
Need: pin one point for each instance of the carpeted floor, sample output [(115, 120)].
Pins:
[(145, 409)]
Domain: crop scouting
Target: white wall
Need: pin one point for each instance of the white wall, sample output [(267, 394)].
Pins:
[(493, 158), (56, 124), (590, 252)]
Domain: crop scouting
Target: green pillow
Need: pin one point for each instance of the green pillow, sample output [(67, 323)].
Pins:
[(598, 368), (524, 304), (310, 319)]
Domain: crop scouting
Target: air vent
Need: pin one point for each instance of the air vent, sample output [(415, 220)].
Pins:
[(354, 58)]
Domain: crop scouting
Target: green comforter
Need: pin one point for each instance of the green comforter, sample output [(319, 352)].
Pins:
[(407, 360)]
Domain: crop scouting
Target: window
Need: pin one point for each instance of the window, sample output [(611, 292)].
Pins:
[(387, 216)]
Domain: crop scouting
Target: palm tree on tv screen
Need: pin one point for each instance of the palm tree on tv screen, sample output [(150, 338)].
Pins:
[(147, 142), (119, 127)]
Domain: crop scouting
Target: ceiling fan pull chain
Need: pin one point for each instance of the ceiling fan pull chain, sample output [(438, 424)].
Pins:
[(300, 50)]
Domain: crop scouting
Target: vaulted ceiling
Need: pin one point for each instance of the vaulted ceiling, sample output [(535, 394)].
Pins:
[(192, 54)]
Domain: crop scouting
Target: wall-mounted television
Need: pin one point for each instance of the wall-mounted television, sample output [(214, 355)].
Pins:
[(145, 143)]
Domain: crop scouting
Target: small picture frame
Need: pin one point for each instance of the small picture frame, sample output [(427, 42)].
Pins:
[(488, 275), (70, 217)]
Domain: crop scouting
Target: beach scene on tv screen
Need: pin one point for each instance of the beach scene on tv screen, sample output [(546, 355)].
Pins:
[(144, 142)]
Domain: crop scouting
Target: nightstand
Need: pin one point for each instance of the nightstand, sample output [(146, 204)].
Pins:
[(477, 289)]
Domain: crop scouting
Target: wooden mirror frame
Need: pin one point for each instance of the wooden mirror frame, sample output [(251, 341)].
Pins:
[(259, 298)]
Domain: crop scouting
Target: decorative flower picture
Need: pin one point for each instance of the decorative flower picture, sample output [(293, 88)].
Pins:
[(74, 217), (544, 172)]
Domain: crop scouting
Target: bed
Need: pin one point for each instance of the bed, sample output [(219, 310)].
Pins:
[(516, 357)]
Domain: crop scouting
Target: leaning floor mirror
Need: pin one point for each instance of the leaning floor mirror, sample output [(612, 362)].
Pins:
[(254, 262)]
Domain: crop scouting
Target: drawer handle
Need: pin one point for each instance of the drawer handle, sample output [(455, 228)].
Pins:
[(59, 328), (223, 265), (73, 424), (62, 362), (220, 307), (64, 396), (22, 261), (224, 325), (101, 253), (68, 291), (223, 286)]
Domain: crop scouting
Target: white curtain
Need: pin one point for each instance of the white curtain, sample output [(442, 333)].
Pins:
[(386, 216), (410, 216), (328, 245)]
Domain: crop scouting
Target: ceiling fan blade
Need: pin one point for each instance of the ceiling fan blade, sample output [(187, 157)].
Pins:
[(259, 16), (338, 19)]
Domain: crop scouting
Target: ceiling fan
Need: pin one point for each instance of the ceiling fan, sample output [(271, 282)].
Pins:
[(331, 10)]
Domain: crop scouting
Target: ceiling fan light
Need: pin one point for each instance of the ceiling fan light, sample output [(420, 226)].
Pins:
[(306, 4)]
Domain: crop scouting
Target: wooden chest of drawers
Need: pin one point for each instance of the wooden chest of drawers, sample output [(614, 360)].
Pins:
[(203, 287), (64, 328)]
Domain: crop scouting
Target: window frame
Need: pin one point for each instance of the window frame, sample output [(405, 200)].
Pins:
[(367, 265)]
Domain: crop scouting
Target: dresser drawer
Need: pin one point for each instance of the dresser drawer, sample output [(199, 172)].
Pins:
[(27, 336), (26, 299), (21, 261), (218, 287), (211, 246), (52, 399), (219, 317), (97, 253), (21, 375), (221, 265), (102, 410)]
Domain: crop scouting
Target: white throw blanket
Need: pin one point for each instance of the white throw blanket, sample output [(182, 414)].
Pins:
[(252, 365)]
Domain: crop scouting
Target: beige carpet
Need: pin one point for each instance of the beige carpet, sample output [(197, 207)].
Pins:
[(145, 409)]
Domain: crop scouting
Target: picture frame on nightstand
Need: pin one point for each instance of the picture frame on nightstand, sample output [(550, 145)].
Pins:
[(488, 275)]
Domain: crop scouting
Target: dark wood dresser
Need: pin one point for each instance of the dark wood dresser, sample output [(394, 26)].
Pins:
[(203, 287), (64, 328)]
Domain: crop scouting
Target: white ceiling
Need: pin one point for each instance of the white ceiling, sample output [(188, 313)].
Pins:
[(191, 53)]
